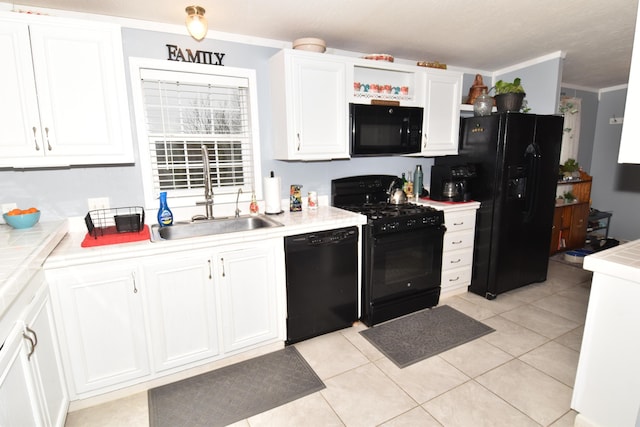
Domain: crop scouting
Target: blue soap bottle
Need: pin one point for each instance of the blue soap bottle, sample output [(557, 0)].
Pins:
[(165, 216)]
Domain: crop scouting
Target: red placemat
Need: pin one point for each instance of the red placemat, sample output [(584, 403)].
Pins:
[(111, 237)]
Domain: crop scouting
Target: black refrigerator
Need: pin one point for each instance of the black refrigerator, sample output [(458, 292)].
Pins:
[(516, 157)]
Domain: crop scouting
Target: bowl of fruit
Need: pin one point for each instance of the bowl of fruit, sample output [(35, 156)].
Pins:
[(22, 218)]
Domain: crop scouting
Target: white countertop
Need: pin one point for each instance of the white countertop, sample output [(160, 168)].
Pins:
[(449, 206), (69, 252), (22, 253), (622, 261)]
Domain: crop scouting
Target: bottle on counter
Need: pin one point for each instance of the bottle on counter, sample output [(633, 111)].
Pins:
[(417, 181), (165, 216), (253, 207)]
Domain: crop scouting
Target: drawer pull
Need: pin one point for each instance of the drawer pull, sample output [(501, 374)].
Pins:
[(458, 223), (456, 243), (455, 261), (455, 280)]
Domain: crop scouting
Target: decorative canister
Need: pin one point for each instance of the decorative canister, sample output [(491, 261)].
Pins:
[(312, 200), (295, 198), (483, 104)]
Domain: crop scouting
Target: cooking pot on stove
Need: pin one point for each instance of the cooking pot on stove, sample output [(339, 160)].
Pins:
[(396, 195)]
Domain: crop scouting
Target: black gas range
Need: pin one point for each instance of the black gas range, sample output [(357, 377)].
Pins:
[(402, 248), (385, 217)]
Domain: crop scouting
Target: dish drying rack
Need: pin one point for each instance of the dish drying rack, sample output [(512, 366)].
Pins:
[(102, 222)]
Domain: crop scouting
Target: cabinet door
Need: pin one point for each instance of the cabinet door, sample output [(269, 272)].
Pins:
[(45, 362), (441, 113), (101, 326), (79, 73), (19, 106), (579, 220), (311, 105), (248, 291), (182, 306), (556, 230), (19, 400)]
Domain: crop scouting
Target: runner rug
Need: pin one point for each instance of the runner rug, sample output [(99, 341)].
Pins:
[(234, 392)]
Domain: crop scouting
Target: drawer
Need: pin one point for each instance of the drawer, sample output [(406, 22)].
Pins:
[(457, 259), (457, 240), (458, 221), (456, 277)]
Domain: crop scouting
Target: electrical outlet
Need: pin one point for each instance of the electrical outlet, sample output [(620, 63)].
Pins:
[(616, 120), (98, 203), (6, 207)]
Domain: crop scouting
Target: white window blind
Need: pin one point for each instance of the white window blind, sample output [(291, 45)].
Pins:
[(184, 111)]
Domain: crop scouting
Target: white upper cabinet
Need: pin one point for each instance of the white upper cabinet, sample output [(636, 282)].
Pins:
[(629, 145), (310, 117), (440, 129), (311, 92), (64, 93)]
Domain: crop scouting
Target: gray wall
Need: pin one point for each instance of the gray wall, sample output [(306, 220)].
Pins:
[(616, 187), (588, 116), (541, 83), (63, 192)]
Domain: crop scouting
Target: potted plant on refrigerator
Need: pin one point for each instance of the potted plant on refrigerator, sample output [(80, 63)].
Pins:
[(509, 95)]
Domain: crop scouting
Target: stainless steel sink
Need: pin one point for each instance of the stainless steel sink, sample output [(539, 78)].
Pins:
[(183, 230)]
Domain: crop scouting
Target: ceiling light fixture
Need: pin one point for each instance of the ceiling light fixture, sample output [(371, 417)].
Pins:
[(196, 22)]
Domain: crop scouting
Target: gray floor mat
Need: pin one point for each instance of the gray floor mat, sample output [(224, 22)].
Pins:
[(234, 392), (423, 334)]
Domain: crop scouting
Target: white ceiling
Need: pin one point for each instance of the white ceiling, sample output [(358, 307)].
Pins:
[(595, 35)]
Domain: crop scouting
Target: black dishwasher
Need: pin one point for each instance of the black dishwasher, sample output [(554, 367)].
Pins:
[(322, 282)]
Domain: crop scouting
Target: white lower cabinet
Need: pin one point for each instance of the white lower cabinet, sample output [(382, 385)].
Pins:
[(182, 309), (101, 325), (20, 405), (122, 323), (32, 387), (248, 289), (457, 252)]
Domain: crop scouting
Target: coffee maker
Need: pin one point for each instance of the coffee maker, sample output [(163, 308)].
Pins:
[(452, 183)]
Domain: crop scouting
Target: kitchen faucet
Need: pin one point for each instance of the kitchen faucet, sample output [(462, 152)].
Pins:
[(208, 188), (238, 197)]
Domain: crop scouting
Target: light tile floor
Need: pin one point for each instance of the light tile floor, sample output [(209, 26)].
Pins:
[(520, 375)]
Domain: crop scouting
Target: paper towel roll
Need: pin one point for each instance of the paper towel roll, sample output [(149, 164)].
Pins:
[(272, 195)]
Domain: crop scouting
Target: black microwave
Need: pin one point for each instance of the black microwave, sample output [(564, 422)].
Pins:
[(380, 130)]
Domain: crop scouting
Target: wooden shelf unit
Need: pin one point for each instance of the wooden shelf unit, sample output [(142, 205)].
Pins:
[(570, 220)]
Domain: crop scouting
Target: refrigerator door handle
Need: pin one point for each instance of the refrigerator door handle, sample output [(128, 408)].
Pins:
[(532, 155)]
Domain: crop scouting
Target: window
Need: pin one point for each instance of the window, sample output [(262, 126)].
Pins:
[(180, 108)]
